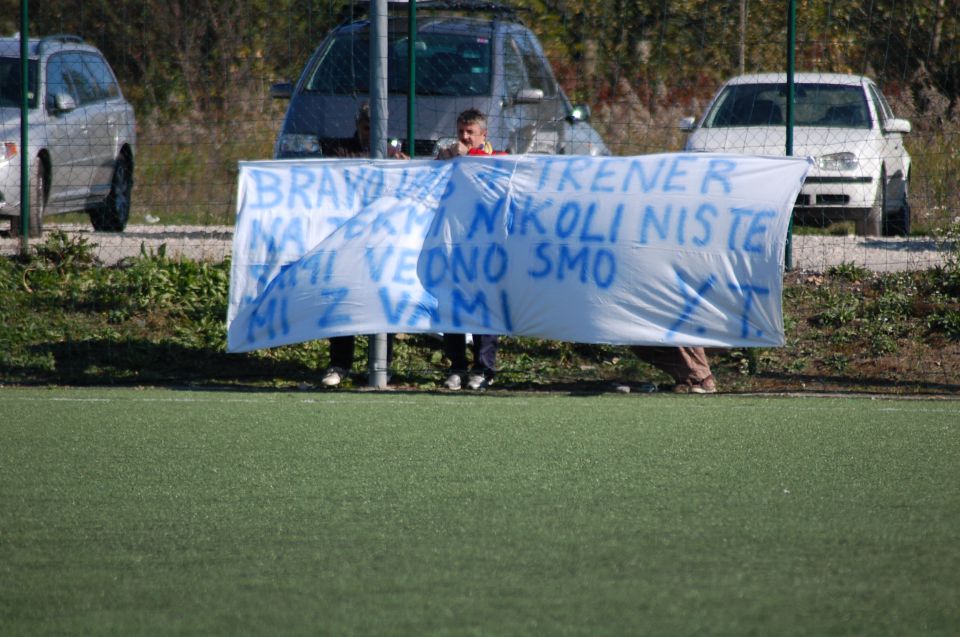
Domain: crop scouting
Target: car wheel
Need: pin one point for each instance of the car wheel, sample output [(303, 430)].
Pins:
[(872, 224), (897, 223), (113, 215), (38, 202)]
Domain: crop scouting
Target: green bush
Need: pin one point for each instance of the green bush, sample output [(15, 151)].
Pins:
[(153, 319)]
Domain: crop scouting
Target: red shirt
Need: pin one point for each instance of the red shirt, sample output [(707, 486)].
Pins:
[(486, 149)]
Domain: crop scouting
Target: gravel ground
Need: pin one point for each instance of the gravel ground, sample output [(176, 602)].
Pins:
[(213, 243)]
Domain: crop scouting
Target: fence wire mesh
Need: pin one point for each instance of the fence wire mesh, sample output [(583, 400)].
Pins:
[(553, 76)]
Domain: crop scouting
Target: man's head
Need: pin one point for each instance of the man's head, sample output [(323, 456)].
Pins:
[(472, 128), (363, 123)]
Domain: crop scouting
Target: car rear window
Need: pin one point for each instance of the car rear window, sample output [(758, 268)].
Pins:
[(829, 105), (447, 64)]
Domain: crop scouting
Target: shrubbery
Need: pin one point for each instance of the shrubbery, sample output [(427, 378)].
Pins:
[(155, 320)]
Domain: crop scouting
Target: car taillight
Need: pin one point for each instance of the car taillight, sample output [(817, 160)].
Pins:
[(9, 150)]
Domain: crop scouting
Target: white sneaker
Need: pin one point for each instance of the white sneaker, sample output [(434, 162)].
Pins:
[(453, 382), (477, 381), (333, 377)]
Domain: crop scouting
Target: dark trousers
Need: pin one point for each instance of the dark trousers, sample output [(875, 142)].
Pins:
[(342, 348), (484, 351)]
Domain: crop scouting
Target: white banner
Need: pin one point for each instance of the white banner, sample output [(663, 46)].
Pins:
[(675, 249)]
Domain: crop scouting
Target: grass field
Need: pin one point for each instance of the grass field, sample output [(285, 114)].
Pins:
[(148, 512)]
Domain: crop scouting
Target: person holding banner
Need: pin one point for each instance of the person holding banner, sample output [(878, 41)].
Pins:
[(471, 137), (687, 366), (471, 140), (342, 347), (359, 144)]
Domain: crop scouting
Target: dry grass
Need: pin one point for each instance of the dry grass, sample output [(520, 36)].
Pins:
[(186, 168)]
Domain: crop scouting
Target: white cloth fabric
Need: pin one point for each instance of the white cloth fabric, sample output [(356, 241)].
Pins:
[(669, 249)]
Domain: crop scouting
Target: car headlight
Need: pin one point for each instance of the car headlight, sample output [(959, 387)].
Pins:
[(293, 144), (838, 161)]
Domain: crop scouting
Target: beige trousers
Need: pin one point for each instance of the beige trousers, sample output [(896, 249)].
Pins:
[(683, 364)]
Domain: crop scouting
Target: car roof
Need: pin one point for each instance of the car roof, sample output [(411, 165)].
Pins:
[(445, 24), (10, 46), (842, 79), (352, 10)]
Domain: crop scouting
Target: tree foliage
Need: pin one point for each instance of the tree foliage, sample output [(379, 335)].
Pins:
[(192, 56), (689, 46), (186, 57)]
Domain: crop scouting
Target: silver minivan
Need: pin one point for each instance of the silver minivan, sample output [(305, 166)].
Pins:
[(494, 64), (81, 136)]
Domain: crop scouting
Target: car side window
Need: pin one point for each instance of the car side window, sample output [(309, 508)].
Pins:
[(10, 85), (57, 81), (537, 72), (83, 82), (102, 75), (513, 71)]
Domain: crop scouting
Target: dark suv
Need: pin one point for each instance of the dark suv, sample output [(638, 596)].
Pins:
[(494, 64), (81, 138)]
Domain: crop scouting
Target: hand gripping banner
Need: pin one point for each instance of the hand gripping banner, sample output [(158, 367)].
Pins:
[(670, 249)]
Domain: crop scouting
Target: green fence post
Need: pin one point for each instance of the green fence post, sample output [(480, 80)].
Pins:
[(412, 75), (753, 353), (24, 126), (791, 63)]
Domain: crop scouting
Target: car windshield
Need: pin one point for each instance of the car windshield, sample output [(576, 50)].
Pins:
[(10, 86), (829, 105), (447, 64)]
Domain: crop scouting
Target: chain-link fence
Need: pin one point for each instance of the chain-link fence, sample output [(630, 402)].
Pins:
[(199, 79), (874, 101)]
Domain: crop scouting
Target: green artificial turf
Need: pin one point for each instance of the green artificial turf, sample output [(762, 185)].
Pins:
[(146, 512)]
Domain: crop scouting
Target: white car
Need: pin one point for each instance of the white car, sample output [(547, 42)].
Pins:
[(861, 169)]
